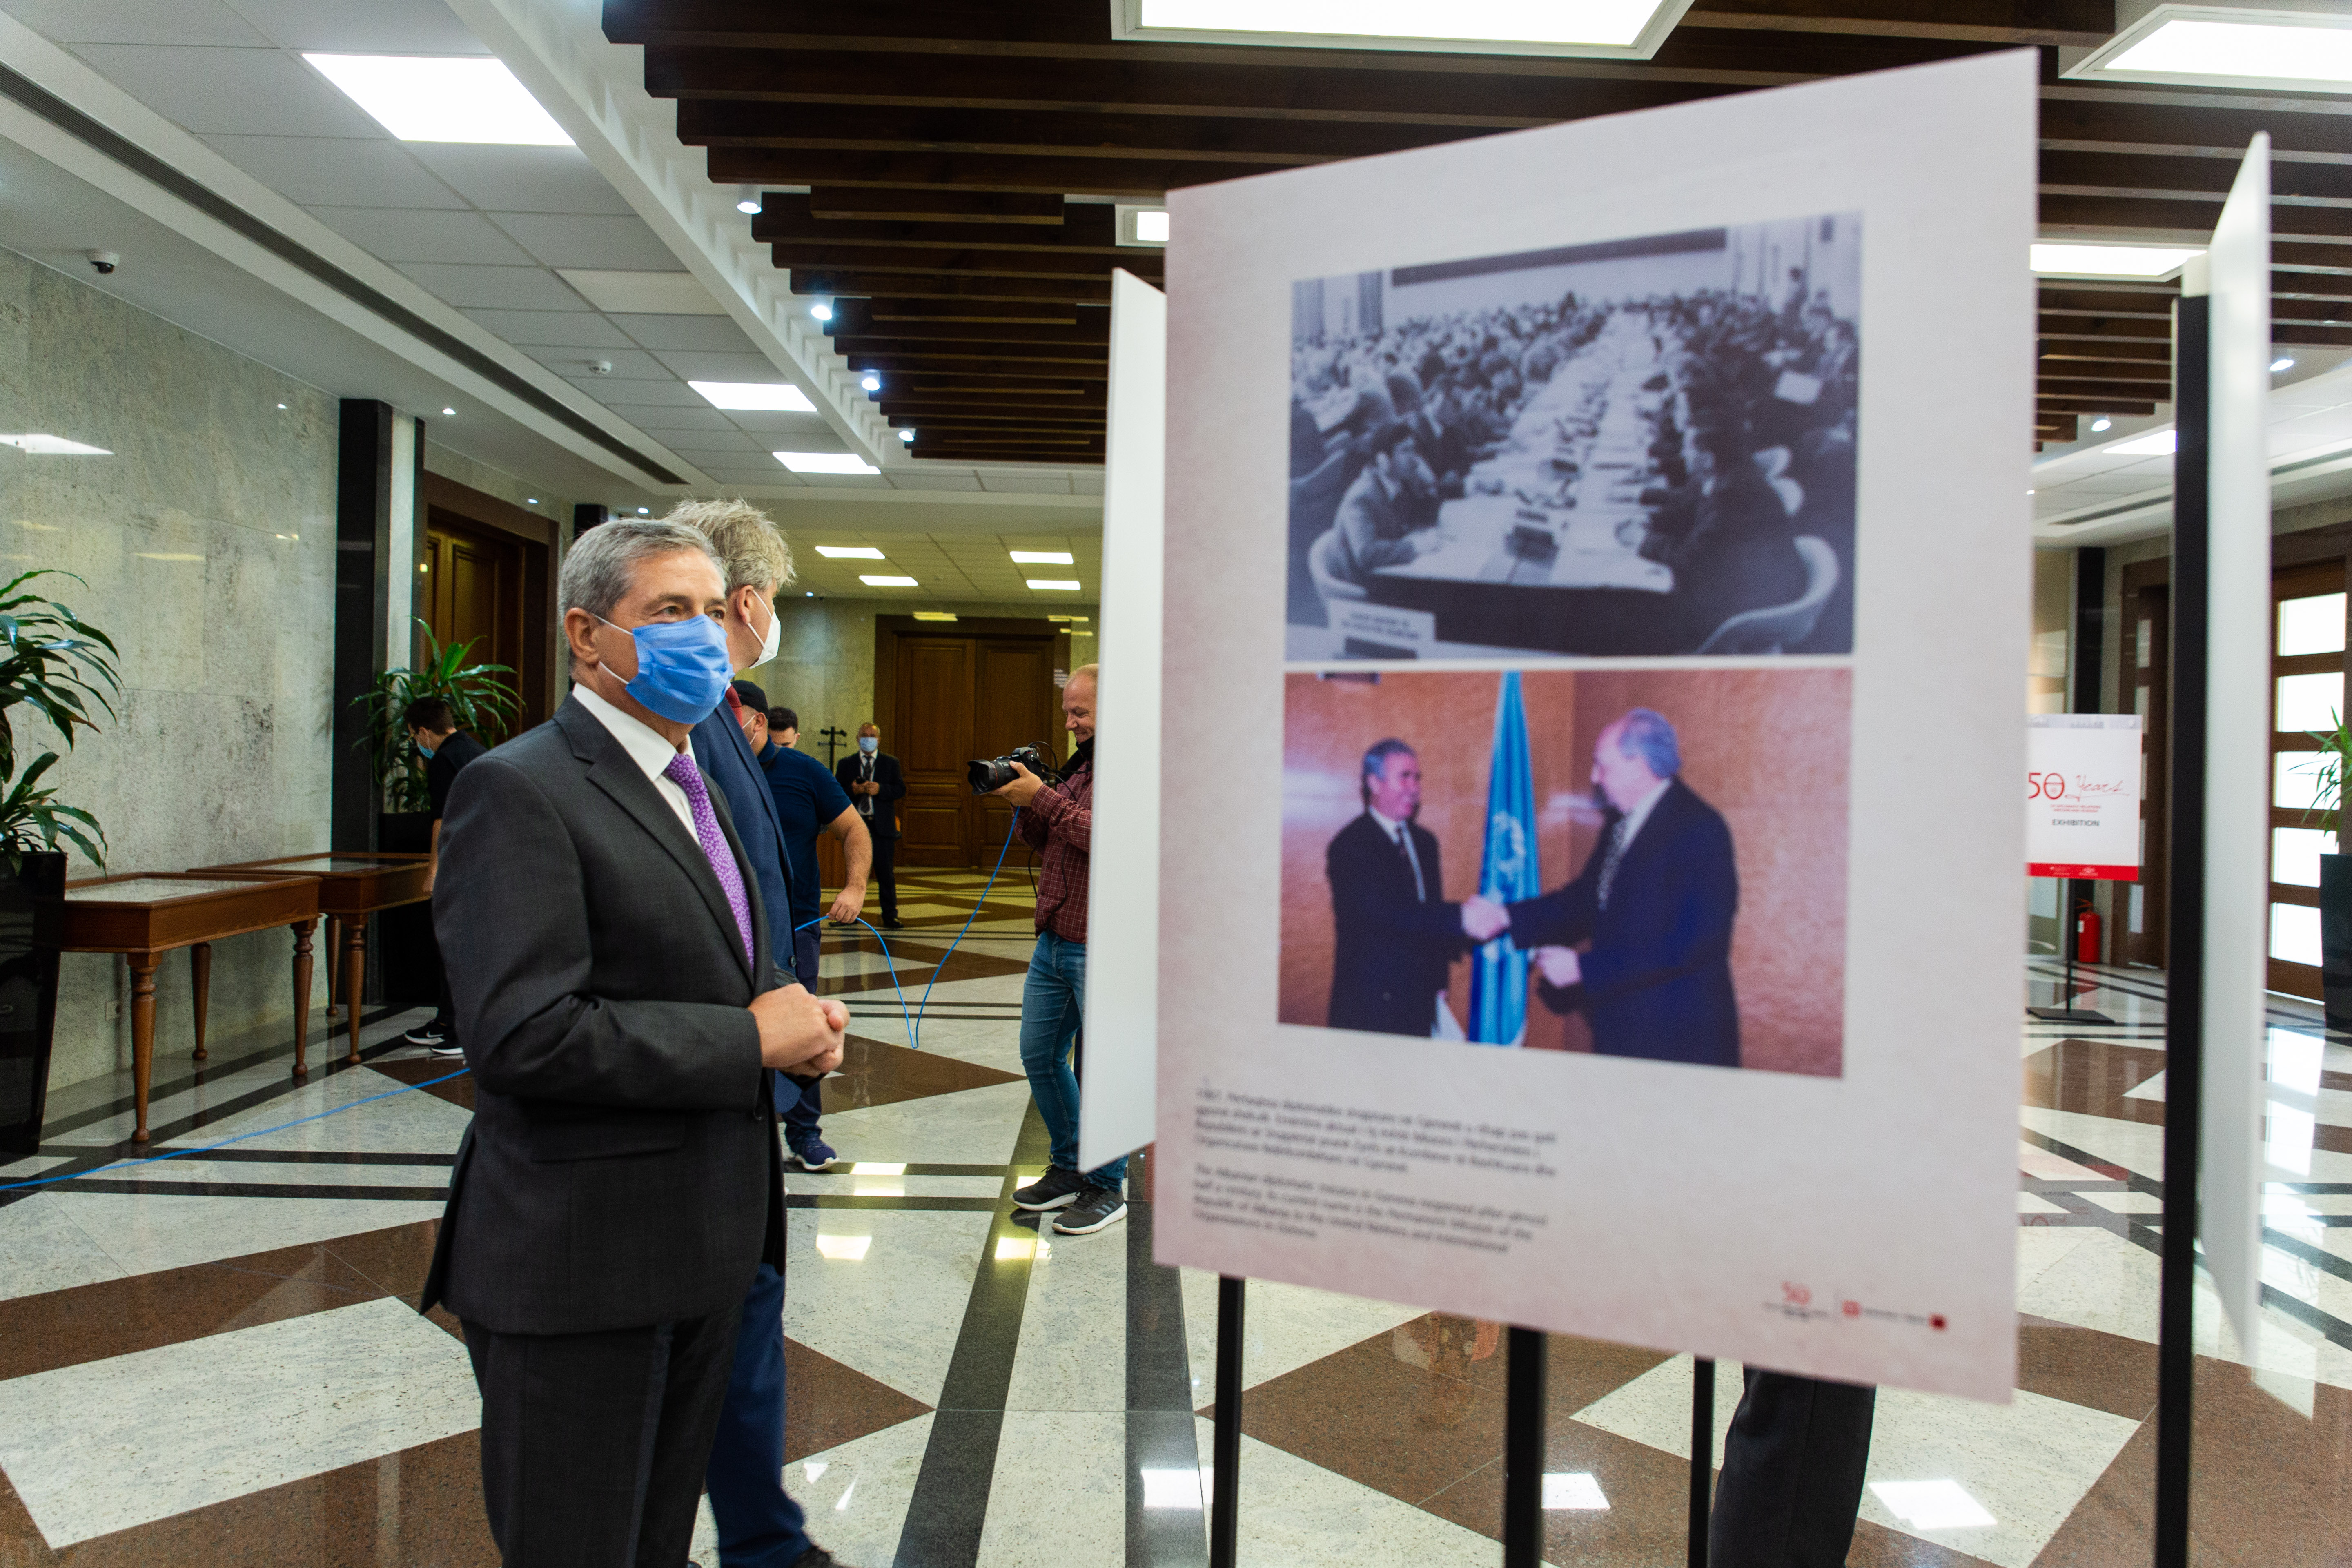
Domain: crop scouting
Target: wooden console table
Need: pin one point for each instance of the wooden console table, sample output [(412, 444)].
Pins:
[(144, 915), (353, 886)]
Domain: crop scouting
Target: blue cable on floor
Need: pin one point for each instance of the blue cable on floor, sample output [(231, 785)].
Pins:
[(915, 1018), (240, 1138)]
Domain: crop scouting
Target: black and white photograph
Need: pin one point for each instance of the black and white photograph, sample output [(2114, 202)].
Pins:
[(1634, 448)]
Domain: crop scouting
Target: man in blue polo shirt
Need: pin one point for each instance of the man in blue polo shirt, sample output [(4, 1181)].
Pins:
[(808, 802)]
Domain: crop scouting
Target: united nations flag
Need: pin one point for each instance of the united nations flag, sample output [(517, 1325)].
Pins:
[(1498, 971)]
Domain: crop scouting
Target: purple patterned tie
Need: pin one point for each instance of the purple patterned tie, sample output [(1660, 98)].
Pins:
[(682, 773)]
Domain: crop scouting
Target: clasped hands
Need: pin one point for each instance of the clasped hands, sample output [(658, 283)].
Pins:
[(1483, 919), (798, 1031)]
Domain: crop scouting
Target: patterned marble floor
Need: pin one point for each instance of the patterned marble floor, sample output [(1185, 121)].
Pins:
[(216, 1360)]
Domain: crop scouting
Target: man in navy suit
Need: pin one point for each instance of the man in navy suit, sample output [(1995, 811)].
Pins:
[(1655, 901), (1396, 934), (760, 1526)]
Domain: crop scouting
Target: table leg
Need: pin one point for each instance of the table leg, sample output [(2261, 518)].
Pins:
[(142, 1034), (301, 930), (334, 962), (200, 971), (355, 973)]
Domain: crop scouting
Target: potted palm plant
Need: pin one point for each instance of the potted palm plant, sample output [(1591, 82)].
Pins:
[(2326, 813), (63, 668)]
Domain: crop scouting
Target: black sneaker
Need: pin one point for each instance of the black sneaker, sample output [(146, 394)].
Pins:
[(447, 1051), (1098, 1207), (1050, 1191), (434, 1033)]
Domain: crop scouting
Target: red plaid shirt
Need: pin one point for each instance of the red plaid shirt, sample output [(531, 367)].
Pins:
[(1059, 823)]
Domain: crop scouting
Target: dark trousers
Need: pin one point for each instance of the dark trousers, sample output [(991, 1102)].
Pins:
[(800, 1117), (885, 851), (594, 1444), (1792, 1468), (760, 1526)]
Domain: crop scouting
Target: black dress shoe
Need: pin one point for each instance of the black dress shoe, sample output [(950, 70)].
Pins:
[(888, 923), (817, 1557)]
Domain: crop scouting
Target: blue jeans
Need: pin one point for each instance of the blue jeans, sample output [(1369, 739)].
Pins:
[(760, 1526), (1052, 1005)]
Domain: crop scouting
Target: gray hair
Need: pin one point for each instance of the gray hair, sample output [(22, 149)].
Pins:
[(601, 563), (1644, 734), (1376, 759), (751, 547)]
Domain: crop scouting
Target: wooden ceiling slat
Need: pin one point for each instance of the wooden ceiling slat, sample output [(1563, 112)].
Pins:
[(2117, 348), (820, 281), (884, 337), (2135, 328), (2064, 212), (2125, 407), (890, 314), (2077, 22), (2296, 335), (1087, 226), (909, 360), (2155, 173), (2124, 119), (1146, 264), (2093, 386), (1001, 208), (1148, 178), (2116, 303)]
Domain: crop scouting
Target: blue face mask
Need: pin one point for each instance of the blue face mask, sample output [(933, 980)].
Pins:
[(869, 743), (683, 667), (422, 750)]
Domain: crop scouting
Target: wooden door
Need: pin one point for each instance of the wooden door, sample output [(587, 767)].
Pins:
[(1012, 705), (2148, 664), (2307, 658), (472, 592), (933, 714)]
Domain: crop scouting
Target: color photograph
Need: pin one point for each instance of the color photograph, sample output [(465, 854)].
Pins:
[(1632, 447), (1647, 864)]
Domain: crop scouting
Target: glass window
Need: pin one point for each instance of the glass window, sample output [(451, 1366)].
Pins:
[(2307, 702), (2138, 909), (2294, 934), (2295, 854), (2146, 642), (2294, 780), (2314, 625)]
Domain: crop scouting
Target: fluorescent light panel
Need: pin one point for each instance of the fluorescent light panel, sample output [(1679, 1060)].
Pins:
[(1041, 557), (1610, 23), (849, 552), (1151, 226), (890, 582), (52, 446), (825, 463), (2155, 444), (935, 615), (768, 396), (2067, 260), (443, 98), (1056, 583), (2267, 46)]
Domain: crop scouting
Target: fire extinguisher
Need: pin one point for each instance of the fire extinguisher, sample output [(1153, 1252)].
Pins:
[(2086, 938)]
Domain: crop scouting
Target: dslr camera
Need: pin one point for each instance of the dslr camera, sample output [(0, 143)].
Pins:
[(993, 774)]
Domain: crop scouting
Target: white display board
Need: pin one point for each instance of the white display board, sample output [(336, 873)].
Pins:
[(1115, 1094), (2237, 743), (2082, 777), (1709, 391)]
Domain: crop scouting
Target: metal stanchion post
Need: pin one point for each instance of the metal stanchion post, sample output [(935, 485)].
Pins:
[(1701, 1465), (1523, 1450), (1225, 1451)]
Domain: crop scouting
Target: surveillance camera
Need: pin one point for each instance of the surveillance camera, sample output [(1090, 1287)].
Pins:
[(600, 367), (105, 261)]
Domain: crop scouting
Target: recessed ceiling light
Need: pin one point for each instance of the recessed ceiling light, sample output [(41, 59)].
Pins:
[(907, 437), (2070, 260), (2155, 444), (1056, 583), (281, 405), (2241, 45), (52, 446), (2285, 362), (825, 463), (443, 98), (1081, 619), (645, 512), (2101, 423), (769, 397), (821, 310), (890, 582), (531, 500), (871, 382), (1041, 557), (747, 205), (448, 414), (849, 552), (1618, 27)]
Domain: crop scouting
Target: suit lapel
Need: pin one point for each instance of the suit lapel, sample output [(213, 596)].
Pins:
[(613, 770)]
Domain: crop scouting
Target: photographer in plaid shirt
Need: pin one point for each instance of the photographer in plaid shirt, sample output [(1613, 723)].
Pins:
[(1058, 822)]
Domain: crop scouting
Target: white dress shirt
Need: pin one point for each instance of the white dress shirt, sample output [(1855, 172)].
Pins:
[(1397, 835), (646, 747), (1639, 815)]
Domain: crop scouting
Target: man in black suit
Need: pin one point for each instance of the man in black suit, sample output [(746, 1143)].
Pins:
[(1396, 934), (1656, 901), (618, 1002), (871, 778)]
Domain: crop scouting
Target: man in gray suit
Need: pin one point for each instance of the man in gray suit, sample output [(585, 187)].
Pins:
[(616, 997)]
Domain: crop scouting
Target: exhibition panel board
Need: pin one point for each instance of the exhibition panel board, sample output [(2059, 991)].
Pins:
[(1544, 553)]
